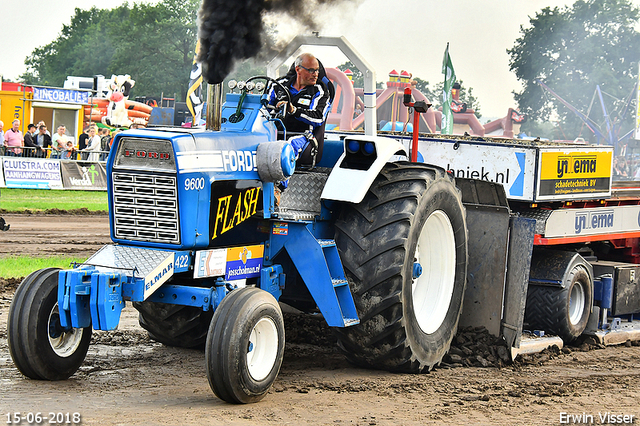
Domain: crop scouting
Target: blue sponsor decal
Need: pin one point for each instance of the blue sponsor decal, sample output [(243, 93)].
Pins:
[(244, 262)]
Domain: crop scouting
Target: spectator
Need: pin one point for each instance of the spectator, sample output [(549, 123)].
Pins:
[(42, 123), (113, 136), (58, 142), (1, 139), (13, 140), (620, 168), (82, 143), (43, 140), (94, 145), (32, 149), (69, 151), (105, 142)]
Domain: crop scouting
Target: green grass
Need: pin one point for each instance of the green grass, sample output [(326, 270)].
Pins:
[(21, 266), (17, 200)]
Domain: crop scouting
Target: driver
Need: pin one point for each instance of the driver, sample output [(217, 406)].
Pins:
[(310, 103)]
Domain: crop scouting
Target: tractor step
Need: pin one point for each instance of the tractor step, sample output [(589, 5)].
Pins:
[(319, 265), (301, 199)]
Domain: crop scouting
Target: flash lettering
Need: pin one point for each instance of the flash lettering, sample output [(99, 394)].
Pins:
[(221, 214), (245, 205)]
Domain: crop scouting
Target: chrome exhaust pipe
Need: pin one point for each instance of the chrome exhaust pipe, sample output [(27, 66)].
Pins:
[(214, 106)]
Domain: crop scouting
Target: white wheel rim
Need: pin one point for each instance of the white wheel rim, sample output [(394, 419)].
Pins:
[(433, 289), (65, 344), (263, 348), (576, 303)]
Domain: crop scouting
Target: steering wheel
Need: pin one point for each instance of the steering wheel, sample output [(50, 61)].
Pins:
[(274, 81)]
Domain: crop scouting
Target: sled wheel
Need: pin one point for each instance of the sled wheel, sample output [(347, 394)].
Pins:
[(245, 346), (174, 325), (39, 346), (404, 249), (562, 311)]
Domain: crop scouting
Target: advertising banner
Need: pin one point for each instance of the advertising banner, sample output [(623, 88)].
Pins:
[(511, 166), (594, 221), (60, 95), (580, 172), (83, 175), (235, 263), (2, 185), (32, 173)]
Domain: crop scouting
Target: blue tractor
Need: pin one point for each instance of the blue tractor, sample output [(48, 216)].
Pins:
[(374, 243)]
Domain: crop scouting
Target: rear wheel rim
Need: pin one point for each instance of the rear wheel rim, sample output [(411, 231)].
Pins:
[(432, 291), (63, 342), (262, 350), (576, 303)]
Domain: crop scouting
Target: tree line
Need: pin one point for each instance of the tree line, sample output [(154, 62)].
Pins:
[(155, 44), (571, 49)]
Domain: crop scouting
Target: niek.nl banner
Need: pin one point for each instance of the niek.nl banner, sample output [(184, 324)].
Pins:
[(83, 175), (32, 173)]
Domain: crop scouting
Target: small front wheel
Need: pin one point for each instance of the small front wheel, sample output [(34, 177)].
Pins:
[(245, 346), (40, 347)]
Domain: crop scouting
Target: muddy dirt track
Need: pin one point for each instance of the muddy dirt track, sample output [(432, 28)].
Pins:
[(129, 380)]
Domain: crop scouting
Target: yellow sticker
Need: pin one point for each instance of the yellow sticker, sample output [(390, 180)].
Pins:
[(575, 165)]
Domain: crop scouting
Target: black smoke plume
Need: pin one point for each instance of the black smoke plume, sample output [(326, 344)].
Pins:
[(233, 30)]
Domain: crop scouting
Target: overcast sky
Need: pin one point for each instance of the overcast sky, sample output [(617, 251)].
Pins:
[(391, 34)]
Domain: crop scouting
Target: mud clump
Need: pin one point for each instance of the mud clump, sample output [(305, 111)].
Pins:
[(475, 347), (120, 338), (308, 329)]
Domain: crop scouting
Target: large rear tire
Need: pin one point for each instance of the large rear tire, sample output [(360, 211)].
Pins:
[(245, 346), (411, 219), (174, 325), (39, 346)]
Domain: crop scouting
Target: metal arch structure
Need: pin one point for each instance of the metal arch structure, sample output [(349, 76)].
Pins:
[(370, 124)]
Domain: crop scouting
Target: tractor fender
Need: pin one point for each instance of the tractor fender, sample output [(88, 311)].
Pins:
[(363, 158)]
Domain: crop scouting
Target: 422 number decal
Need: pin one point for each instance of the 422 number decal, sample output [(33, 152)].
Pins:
[(182, 262), (193, 184)]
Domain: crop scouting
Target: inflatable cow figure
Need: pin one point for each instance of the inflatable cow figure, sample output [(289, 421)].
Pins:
[(117, 113)]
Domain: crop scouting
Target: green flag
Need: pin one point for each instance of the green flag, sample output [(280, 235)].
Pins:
[(446, 127)]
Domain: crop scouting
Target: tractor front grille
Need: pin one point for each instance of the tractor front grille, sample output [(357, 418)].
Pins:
[(145, 207)]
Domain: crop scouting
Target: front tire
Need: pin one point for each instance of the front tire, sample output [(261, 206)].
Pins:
[(412, 218), (39, 346), (245, 346)]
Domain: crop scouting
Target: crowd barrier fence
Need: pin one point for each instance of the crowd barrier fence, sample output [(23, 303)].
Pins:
[(28, 170)]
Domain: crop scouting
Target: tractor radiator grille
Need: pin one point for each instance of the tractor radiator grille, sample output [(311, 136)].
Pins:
[(146, 208)]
